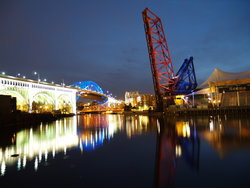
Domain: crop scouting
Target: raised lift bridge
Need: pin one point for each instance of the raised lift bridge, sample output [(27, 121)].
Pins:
[(166, 82)]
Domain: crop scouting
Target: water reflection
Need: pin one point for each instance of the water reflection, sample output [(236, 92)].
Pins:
[(94, 130), (37, 143), (177, 139), (136, 125), (227, 135), (86, 132)]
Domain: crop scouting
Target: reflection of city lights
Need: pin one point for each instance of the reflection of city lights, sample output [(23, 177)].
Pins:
[(24, 161), (186, 130), (19, 164), (158, 127), (65, 150), (112, 125), (3, 168), (211, 126), (36, 144), (36, 164), (178, 150), (53, 152), (143, 120), (220, 126), (46, 155), (183, 129)]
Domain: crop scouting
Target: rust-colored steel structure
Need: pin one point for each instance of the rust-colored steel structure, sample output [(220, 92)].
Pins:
[(160, 61)]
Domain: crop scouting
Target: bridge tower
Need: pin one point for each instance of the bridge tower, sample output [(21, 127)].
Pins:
[(160, 60)]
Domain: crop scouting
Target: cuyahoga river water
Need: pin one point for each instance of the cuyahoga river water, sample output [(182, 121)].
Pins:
[(128, 151)]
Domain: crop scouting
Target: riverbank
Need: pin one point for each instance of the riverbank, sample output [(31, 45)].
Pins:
[(230, 110), (24, 119)]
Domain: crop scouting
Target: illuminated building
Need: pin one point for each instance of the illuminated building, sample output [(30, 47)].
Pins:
[(131, 97), (141, 101), (224, 89)]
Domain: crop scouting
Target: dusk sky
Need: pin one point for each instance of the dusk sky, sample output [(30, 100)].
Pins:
[(104, 40)]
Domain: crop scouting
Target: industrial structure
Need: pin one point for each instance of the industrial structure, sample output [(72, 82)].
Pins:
[(166, 83)]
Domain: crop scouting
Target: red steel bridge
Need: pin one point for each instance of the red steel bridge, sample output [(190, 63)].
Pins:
[(166, 82)]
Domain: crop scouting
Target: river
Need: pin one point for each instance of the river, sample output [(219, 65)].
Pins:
[(108, 150)]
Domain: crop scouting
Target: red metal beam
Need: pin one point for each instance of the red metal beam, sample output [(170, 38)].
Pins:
[(160, 61)]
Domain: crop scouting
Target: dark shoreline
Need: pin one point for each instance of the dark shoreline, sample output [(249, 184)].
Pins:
[(22, 119), (234, 111)]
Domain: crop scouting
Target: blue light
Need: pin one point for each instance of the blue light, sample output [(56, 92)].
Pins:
[(89, 85)]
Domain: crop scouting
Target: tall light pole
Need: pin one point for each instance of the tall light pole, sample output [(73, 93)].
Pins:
[(38, 76)]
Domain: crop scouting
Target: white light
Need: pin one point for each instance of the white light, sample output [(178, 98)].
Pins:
[(3, 73), (19, 164), (24, 161), (53, 152), (36, 164), (46, 155), (65, 150), (3, 168), (24, 77), (211, 126), (45, 79)]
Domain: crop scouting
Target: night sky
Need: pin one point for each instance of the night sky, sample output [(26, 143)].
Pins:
[(104, 40)]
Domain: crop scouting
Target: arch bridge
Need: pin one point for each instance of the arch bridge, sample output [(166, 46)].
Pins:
[(34, 96)]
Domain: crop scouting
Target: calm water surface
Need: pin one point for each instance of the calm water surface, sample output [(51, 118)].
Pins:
[(128, 151)]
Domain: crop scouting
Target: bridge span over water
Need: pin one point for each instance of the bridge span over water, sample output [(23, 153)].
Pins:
[(35, 96)]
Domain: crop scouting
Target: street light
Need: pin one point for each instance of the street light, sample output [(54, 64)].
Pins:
[(3, 73), (24, 77), (38, 76)]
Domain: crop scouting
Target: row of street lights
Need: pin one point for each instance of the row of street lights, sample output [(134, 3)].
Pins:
[(18, 75), (38, 78)]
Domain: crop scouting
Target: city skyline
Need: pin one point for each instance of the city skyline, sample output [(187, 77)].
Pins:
[(71, 41)]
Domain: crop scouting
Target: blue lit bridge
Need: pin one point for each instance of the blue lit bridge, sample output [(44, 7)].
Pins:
[(37, 96)]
